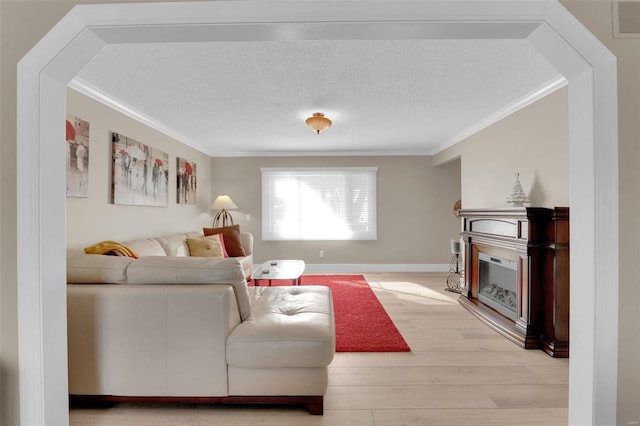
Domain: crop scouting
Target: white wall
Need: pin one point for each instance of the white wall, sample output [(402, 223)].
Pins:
[(95, 218), (533, 142)]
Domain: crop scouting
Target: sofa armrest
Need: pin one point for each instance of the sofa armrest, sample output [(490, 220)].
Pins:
[(247, 242), (96, 268)]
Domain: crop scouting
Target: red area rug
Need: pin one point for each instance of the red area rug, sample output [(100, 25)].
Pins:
[(362, 324)]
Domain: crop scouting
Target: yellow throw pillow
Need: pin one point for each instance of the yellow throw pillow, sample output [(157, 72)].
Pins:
[(205, 247)]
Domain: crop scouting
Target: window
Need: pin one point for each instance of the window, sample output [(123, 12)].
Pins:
[(319, 203)]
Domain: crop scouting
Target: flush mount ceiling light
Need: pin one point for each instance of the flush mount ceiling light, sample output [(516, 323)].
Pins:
[(318, 122)]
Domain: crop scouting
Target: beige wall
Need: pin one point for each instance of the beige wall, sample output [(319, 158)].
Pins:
[(25, 22), (415, 200), (416, 222), (533, 142), (597, 17), (95, 218)]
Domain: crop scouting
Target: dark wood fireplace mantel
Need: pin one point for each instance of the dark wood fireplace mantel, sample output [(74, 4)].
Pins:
[(536, 240)]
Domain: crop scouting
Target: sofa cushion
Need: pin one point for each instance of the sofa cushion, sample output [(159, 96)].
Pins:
[(232, 239), (288, 327), (210, 246), (192, 270), (146, 247), (97, 269), (176, 244)]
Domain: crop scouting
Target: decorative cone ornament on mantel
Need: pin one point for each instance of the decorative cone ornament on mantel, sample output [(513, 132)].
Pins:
[(518, 197)]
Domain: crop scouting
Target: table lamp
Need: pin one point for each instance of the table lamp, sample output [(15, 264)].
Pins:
[(223, 203)]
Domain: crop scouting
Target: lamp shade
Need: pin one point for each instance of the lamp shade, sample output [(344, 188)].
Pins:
[(223, 202), (318, 122)]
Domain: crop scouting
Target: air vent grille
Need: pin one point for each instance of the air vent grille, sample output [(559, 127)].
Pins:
[(626, 18)]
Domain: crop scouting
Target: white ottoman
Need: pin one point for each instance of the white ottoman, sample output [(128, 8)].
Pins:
[(286, 345)]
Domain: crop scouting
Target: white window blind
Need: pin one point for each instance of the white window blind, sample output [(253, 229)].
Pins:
[(319, 203)]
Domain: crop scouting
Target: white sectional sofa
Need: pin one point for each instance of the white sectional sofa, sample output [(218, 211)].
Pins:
[(174, 245), (169, 327)]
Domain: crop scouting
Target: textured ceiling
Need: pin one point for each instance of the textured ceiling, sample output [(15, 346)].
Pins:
[(384, 97)]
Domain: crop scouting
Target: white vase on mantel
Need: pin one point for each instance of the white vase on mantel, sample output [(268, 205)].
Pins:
[(518, 196)]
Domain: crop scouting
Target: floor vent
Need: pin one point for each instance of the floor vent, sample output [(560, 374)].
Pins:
[(626, 19)]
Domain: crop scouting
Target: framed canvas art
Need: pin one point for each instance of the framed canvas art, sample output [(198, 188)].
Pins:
[(186, 179), (139, 173), (77, 150)]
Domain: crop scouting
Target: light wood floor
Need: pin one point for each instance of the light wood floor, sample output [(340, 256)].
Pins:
[(459, 373)]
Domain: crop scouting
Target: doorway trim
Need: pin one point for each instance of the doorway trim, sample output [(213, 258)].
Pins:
[(45, 71)]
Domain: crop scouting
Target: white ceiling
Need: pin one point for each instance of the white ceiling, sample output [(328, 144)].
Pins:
[(387, 97)]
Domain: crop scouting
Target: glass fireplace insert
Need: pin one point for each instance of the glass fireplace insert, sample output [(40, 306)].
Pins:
[(498, 284)]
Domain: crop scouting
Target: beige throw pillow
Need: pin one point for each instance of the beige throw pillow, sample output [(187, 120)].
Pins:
[(205, 247)]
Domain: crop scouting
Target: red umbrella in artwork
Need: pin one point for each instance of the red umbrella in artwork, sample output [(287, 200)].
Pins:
[(188, 168), (158, 162), (123, 151), (71, 132)]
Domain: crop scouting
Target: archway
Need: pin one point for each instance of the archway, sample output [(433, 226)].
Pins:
[(45, 71)]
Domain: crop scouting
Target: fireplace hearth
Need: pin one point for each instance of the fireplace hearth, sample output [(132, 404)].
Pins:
[(517, 274)]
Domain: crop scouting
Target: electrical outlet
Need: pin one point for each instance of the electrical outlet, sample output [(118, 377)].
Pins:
[(632, 423), (248, 217), (321, 254)]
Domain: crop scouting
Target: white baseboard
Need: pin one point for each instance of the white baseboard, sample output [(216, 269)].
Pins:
[(312, 268)]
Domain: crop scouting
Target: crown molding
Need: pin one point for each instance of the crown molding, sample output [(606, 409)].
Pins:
[(99, 95), (368, 153), (104, 98), (531, 97)]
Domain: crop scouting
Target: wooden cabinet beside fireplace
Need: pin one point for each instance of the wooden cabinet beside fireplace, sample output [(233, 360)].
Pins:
[(528, 248)]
